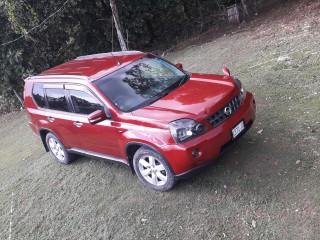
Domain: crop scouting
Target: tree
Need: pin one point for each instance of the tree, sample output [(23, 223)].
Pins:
[(12, 72), (117, 24), (38, 35), (245, 7)]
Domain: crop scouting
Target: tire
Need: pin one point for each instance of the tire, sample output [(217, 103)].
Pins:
[(58, 150), (153, 169)]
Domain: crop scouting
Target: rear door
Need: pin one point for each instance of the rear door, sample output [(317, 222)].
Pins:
[(98, 138), (58, 114)]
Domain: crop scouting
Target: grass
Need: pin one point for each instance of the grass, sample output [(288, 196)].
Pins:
[(257, 190)]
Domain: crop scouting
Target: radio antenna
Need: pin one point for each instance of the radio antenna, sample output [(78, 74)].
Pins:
[(118, 62)]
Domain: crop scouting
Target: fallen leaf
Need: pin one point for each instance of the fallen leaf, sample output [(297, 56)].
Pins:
[(283, 58), (254, 223), (260, 131)]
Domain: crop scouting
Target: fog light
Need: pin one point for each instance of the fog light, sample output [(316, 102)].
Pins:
[(195, 153)]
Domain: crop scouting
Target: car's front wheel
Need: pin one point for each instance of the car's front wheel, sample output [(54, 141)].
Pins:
[(58, 149), (153, 170)]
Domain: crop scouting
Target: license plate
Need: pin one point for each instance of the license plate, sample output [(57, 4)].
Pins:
[(237, 129)]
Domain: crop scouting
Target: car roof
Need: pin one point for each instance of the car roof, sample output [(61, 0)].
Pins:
[(91, 67)]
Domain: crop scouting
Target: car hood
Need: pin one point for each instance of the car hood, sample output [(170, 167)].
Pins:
[(201, 95)]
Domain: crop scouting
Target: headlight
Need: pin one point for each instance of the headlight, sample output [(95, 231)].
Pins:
[(242, 90), (183, 130)]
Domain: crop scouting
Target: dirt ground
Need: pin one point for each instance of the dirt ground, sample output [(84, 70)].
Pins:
[(265, 187)]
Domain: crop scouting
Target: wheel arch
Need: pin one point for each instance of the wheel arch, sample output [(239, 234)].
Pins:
[(43, 133), (133, 147)]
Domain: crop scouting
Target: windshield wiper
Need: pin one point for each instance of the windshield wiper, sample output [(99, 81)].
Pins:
[(183, 80), (159, 95), (152, 100), (168, 90)]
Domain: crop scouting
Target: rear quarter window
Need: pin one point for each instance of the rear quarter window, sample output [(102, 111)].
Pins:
[(38, 94), (56, 99)]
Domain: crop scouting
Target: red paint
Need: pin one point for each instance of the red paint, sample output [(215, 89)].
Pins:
[(94, 67), (226, 72), (197, 99), (201, 93)]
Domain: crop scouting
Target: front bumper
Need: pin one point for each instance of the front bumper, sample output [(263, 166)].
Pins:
[(211, 144), (223, 149)]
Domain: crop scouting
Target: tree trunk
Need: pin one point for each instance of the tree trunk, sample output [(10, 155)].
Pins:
[(245, 7), (219, 6), (150, 31), (201, 15), (117, 25), (186, 10), (18, 97)]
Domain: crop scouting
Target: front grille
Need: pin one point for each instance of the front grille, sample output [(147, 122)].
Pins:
[(220, 116)]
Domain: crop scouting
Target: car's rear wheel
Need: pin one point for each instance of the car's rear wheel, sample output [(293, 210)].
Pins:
[(58, 149), (153, 169)]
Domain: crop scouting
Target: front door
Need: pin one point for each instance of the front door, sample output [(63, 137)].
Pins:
[(98, 138)]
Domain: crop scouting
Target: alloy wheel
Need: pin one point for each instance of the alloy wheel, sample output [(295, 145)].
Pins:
[(56, 149), (153, 170)]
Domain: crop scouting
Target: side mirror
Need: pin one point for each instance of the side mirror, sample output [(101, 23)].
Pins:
[(97, 116), (179, 65), (226, 72)]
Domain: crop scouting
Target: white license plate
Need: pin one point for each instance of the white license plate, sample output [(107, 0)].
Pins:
[(237, 129)]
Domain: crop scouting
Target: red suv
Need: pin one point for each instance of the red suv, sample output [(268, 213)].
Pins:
[(138, 109)]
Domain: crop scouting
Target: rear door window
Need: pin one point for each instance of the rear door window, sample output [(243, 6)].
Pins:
[(38, 94), (84, 102), (56, 99)]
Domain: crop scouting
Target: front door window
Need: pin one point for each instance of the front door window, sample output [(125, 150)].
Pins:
[(84, 103)]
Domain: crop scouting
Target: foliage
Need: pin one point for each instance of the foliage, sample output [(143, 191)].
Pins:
[(85, 27), (11, 66), (15, 11)]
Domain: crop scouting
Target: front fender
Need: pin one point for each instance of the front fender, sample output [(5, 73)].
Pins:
[(143, 137)]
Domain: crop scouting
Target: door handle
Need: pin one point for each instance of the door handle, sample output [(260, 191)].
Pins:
[(77, 124), (51, 119)]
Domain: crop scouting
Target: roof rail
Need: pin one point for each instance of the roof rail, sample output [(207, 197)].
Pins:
[(45, 76), (109, 54)]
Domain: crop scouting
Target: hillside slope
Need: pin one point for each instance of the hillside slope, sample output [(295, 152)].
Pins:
[(265, 187)]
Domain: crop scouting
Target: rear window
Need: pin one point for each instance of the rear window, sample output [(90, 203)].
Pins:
[(38, 94), (56, 99)]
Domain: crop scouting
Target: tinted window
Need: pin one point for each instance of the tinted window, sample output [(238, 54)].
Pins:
[(56, 99), (38, 94), (84, 103), (140, 83)]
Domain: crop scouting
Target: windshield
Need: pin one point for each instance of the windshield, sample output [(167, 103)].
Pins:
[(140, 83)]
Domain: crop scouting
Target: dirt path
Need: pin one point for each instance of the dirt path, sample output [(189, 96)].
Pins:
[(265, 187)]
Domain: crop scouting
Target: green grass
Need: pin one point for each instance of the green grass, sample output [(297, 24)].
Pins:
[(256, 181)]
